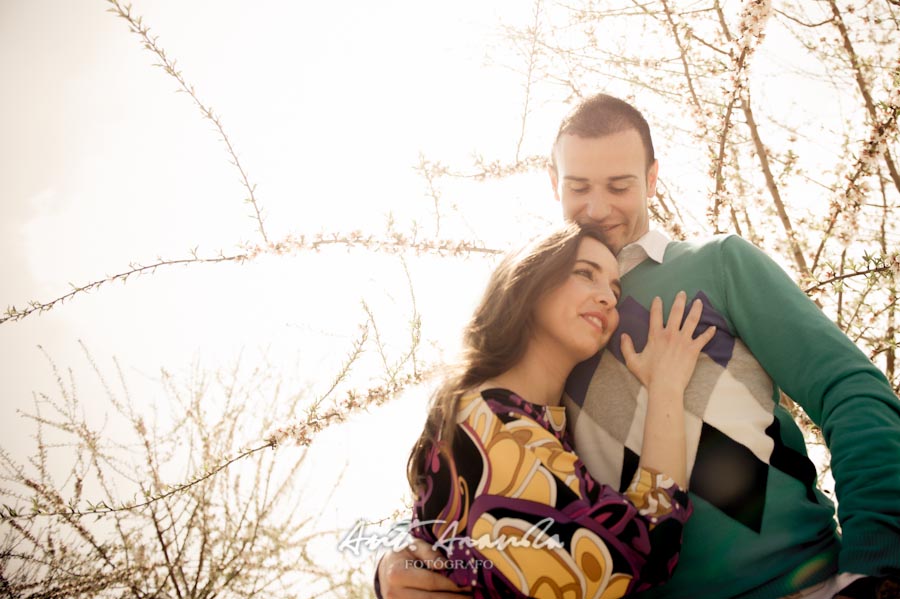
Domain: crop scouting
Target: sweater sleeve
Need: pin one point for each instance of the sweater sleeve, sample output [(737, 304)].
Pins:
[(809, 357), (532, 533)]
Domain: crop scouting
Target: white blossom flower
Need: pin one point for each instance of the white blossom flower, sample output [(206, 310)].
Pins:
[(894, 264)]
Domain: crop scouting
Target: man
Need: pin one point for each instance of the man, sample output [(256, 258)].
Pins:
[(760, 528)]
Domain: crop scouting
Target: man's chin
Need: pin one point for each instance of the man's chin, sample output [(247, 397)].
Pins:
[(615, 243), (616, 239)]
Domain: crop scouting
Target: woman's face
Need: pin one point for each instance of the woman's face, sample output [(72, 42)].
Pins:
[(580, 315)]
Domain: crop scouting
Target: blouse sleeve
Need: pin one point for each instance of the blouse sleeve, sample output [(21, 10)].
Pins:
[(515, 512)]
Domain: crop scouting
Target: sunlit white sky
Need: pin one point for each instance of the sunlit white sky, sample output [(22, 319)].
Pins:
[(103, 164), (328, 106)]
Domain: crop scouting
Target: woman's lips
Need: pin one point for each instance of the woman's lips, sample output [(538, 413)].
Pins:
[(597, 320)]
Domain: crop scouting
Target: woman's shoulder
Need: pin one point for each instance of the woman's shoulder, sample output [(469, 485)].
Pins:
[(502, 402), (498, 408), (476, 411)]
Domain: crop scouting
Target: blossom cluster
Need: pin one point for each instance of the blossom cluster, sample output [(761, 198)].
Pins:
[(750, 34), (883, 131), (893, 262), (753, 22)]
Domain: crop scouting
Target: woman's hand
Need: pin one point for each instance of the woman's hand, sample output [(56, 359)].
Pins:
[(671, 353)]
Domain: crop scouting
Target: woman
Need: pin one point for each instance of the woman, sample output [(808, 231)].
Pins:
[(499, 489)]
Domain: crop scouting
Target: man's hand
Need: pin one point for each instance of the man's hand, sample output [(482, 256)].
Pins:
[(405, 574), (872, 587)]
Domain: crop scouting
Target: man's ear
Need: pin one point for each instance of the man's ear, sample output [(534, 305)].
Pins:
[(652, 174), (554, 180)]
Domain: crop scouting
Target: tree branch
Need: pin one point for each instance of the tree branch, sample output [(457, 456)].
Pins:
[(150, 43), (393, 244), (301, 432)]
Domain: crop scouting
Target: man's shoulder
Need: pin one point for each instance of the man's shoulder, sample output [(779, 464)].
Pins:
[(709, 241), (702, 247)]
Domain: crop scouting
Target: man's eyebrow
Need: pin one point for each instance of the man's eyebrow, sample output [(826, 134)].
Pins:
[(609, 179)]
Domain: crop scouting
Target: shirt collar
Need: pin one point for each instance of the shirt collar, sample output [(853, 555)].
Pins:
[(651, 244)]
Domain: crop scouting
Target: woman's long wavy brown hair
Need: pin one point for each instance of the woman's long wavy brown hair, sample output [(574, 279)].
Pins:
[(499, 331)]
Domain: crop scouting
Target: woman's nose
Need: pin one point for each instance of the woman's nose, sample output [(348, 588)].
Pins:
[(605, 296)]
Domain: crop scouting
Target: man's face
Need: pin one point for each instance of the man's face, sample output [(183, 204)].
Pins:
[(604, 181)]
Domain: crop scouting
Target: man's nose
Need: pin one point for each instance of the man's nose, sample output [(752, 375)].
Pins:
[(597, 208)]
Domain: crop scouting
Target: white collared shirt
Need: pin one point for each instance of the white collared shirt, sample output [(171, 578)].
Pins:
[(651, 244)]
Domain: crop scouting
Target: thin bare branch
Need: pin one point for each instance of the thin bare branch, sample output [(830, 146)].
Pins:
[(169, 66), (396, 243)]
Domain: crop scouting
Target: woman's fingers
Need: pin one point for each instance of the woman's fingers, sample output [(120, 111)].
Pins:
[(677, 311), (627, 349), (636, 363), (656, 323), (419, 582), (693, 317), (704, 338), (423, 579), (421, 550), (426, 559)]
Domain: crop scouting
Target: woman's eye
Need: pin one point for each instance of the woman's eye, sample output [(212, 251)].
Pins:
[(618, 189), (578, 189), (586, 273)]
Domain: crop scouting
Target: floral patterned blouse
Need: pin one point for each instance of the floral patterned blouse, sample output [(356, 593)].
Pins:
[(517, 514)]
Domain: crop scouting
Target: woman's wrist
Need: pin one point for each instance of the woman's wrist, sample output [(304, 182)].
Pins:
[(665, 388)]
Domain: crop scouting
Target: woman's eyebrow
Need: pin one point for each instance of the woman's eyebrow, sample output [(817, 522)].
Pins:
[(589, 263)]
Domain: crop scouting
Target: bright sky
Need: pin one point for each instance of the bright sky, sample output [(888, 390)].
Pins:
[(328, 106)]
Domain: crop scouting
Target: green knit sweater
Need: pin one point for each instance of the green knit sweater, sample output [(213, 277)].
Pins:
[(760, 528)]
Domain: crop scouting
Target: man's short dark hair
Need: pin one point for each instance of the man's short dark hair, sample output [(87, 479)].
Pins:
[(602, 115)]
